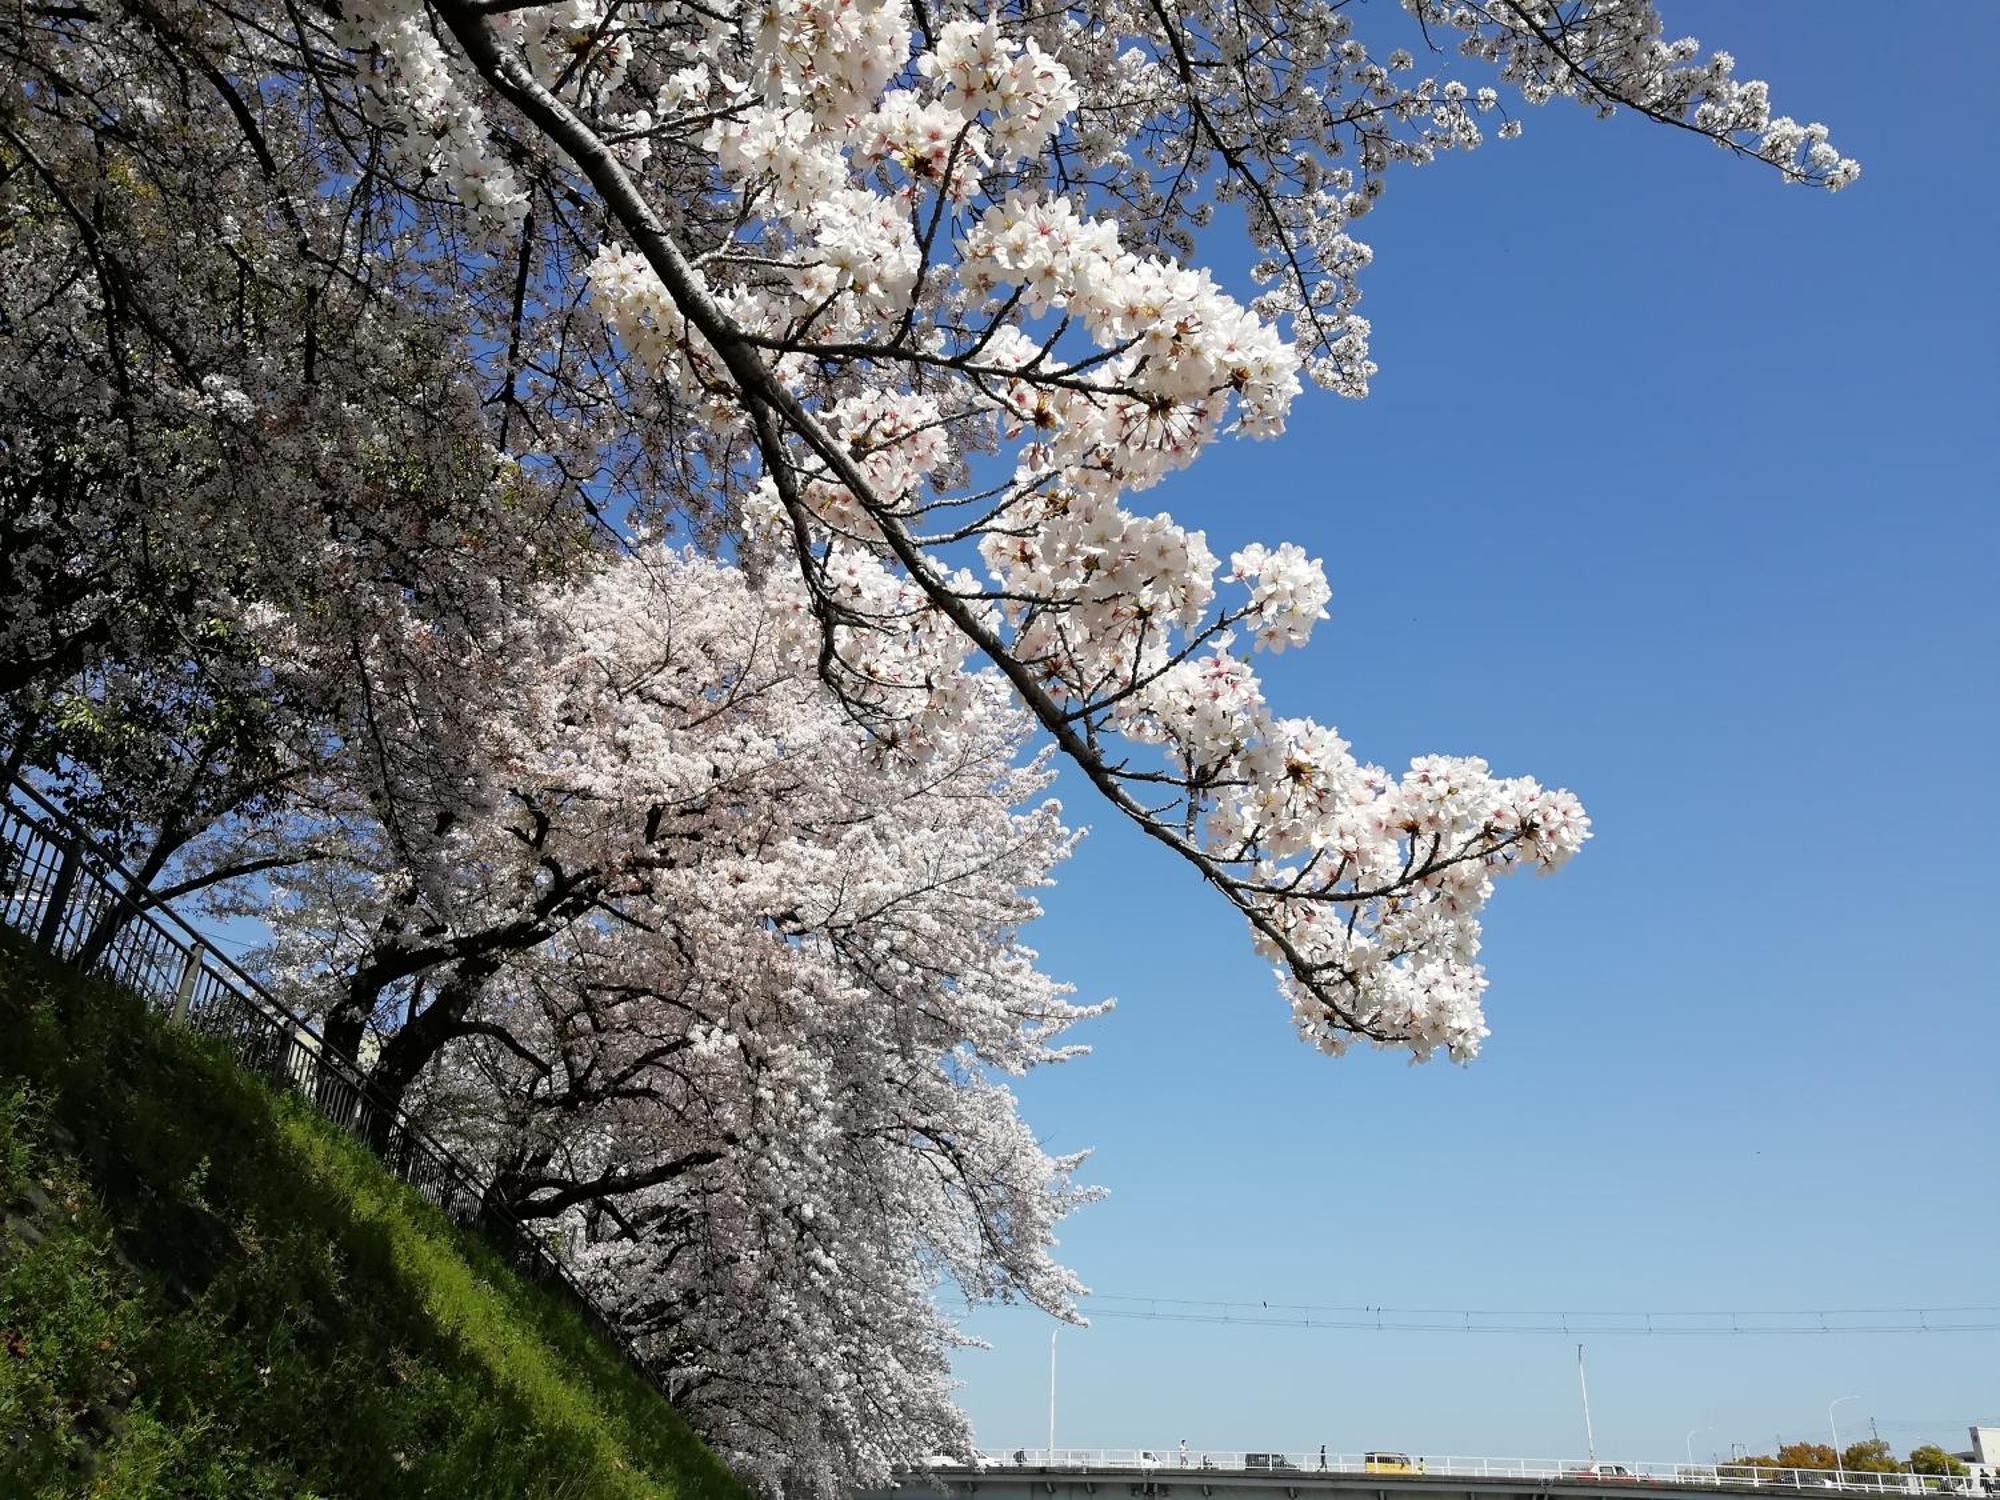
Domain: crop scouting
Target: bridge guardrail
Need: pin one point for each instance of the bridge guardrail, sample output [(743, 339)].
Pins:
[(1165, 1463)]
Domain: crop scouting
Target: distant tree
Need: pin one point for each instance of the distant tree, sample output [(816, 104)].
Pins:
[(1793, 1456), (1929, 1458), (1870, 1456)]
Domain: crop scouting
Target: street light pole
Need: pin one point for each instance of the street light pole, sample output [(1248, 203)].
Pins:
[(1589, 1437), (1052, 1393), (1690, 1442), (1839, 1473)]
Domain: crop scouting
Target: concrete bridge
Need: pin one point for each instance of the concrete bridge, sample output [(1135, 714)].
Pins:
[(1249, 1474)]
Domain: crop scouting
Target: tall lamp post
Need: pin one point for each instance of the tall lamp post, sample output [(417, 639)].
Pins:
[(1690, 1442), (1589, 1437), (1052, 1394), (1839, 1473)]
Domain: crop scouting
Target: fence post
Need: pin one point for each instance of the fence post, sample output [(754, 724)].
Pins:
[(49, 934), (190, 972)]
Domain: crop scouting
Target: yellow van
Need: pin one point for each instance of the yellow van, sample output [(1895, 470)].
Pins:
[(1391, 1463)]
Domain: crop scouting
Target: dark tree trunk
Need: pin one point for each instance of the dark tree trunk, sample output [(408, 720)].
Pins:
[(406, 1054)]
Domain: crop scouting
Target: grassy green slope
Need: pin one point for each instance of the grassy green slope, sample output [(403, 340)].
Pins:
[(205, 1290)]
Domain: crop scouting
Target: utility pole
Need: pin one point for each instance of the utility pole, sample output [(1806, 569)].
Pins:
[(1052, 1393), (1839, 1473), (1589, 1437)]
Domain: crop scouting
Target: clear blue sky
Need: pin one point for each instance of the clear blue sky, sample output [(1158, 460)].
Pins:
[(1677, 488)]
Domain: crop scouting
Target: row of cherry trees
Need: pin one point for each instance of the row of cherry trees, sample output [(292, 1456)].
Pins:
[(599, 520), (718, 984)]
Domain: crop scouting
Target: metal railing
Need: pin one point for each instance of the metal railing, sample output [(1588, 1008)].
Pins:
[(1166, 1463), (74, 902)]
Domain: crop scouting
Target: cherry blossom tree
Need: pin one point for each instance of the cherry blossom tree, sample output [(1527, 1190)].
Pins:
[(720, 987), (237, 456), (919, 281), (899, 299)]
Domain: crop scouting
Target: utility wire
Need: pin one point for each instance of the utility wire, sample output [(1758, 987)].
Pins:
[(1701, 1323)]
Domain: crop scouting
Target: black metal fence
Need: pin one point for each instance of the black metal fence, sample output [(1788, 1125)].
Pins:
[(75, 903)]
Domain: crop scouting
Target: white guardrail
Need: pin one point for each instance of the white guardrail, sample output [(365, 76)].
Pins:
[(1164, 1463)]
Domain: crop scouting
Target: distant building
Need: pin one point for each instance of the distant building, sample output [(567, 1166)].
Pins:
[(1984, 1456)]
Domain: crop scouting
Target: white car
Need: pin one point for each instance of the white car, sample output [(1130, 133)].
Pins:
[(1615, 1473), (946, 1461)]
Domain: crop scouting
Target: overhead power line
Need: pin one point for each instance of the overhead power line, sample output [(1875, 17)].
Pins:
[(1596, 1322)]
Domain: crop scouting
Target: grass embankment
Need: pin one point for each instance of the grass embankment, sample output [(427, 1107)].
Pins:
[(206, 1290)]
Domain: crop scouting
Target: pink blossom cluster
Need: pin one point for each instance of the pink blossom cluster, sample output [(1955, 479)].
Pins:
[(987, 73), (442, 130)]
